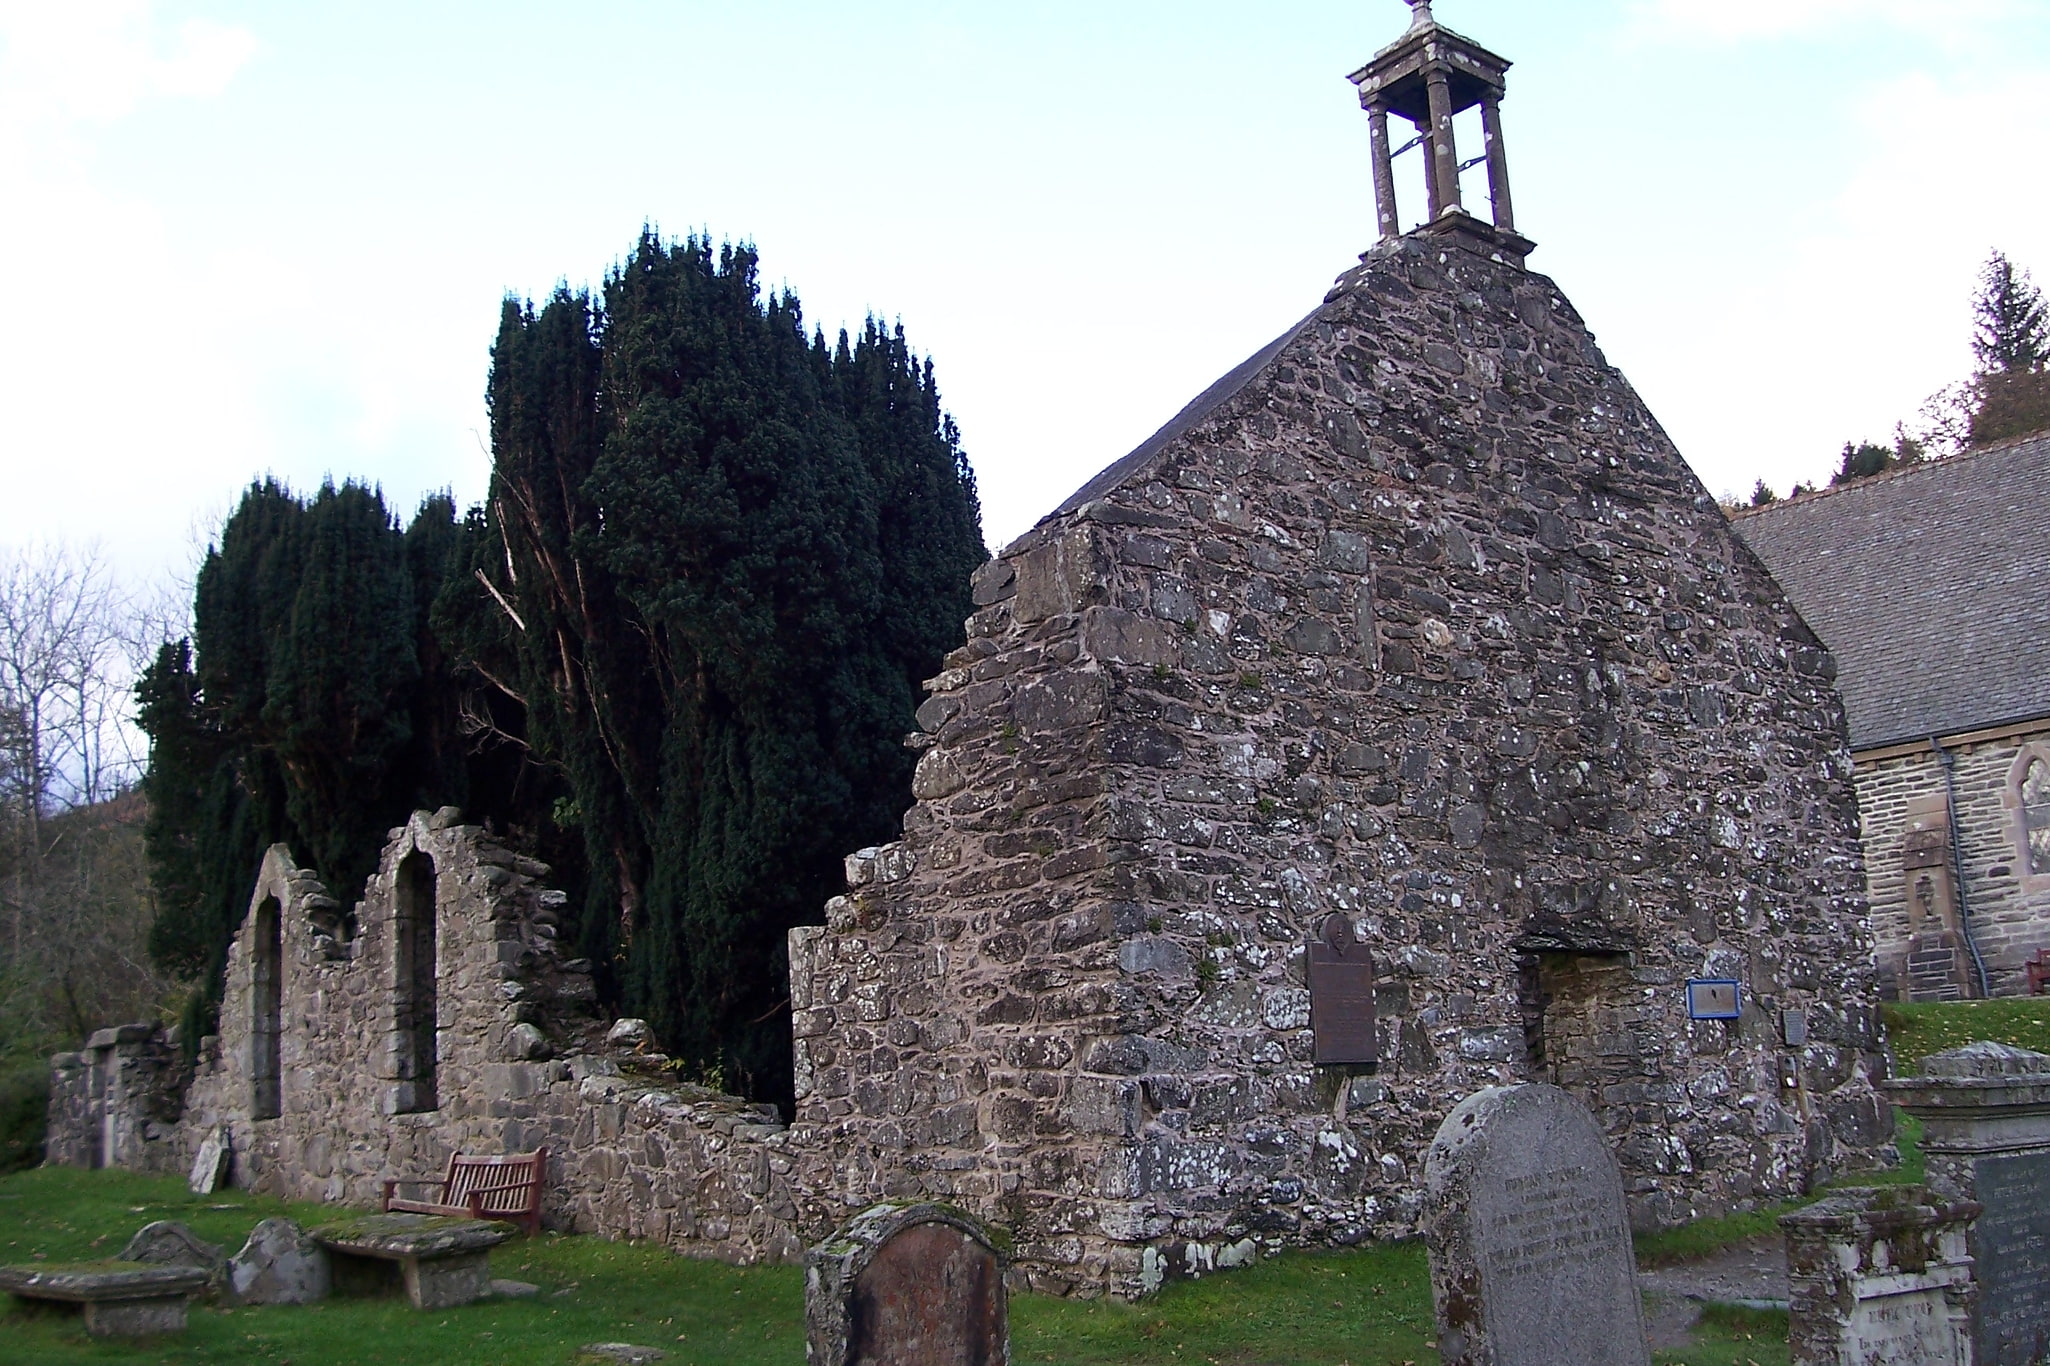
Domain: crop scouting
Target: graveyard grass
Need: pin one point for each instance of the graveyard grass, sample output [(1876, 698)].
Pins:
[(1914, 1031), (1370, 1307)]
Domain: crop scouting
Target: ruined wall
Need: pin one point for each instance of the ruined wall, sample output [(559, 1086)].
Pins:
[(1420, 619), (1904, 804), (518, 1061)]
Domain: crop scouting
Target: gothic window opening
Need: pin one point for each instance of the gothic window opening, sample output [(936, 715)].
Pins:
[(266, 1011), (2035, 793), (415, 1015)]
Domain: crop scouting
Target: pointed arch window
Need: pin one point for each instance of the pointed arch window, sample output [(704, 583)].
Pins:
[(2035, 804)]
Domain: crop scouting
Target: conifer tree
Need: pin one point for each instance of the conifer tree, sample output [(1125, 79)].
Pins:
[(729, 552)]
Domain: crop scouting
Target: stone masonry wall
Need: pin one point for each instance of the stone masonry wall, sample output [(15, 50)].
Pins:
[(1914, 909), (635, 1152), (1427, 624)]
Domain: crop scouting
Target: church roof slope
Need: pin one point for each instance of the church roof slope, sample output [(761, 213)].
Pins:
[(1931, 585)]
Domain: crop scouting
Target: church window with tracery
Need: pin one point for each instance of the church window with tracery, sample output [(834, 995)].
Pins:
[(2036, 815)]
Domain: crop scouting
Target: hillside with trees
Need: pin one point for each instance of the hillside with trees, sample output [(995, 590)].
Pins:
[(2007, 396)]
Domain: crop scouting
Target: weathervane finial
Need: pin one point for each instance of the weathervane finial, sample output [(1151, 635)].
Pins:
[(1420, 13)]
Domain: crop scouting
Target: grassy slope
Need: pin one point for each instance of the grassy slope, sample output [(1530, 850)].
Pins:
[(1370, 1307), (1916, 1031)]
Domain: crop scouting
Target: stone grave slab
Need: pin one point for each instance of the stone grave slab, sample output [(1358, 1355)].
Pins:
[(210, 1163), (280, 1264), (907, 1285), (438, 1262), (1880, 1276), (1529, 1237), (119, 1299)]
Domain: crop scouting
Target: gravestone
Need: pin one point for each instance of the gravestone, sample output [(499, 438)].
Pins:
[(169, 1243), (1879, 1276), (280, 1264), (210, 1164), (1531, 1259), (907, 1285), (1985, 1112), (1341, 977)]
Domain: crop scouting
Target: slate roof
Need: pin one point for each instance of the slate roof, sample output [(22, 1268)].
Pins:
[(1930, 585), (1204, 404)]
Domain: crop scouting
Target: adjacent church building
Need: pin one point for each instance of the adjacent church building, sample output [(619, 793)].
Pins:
[(1403, 718), (1927, 584)]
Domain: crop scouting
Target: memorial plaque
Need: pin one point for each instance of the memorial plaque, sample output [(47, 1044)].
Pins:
[(1529, 1237), (1713, 998), (907, 1285), (2012, 1250), (1341, 973)]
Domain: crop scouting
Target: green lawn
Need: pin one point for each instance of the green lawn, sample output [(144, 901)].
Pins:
[(1370, 1307), (1917, 1030)]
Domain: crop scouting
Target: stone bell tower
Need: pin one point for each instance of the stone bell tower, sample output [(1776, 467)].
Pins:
[(1429, 76)]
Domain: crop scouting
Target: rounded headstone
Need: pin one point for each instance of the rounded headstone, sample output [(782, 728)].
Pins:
[(1529, 1236)]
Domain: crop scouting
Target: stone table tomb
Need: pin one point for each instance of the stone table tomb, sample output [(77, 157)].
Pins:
[(439, 1262), (1879, 1276), (119, 1299)]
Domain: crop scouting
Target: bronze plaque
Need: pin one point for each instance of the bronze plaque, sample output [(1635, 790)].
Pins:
[(1341, 996), (933, 1296)]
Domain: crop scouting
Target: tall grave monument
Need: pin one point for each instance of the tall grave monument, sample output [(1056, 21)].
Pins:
[(1985, 1112)]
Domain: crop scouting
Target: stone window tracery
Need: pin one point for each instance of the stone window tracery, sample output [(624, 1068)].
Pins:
[(2035, 809)]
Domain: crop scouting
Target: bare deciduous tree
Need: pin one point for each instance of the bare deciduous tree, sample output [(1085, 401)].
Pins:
[(73, 888)]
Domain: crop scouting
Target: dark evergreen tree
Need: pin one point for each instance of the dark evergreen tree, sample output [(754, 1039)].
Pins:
[(299, 711), (729, 553)]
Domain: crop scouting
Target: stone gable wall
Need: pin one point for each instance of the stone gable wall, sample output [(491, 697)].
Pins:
[(2009, 905), (1427, 625)]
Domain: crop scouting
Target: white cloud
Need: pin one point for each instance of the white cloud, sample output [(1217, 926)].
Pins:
[(114, 345), (1740, 20), (84, 62)]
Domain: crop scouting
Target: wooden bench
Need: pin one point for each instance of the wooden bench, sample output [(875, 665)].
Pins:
[(504, 1188), (2038, 969)]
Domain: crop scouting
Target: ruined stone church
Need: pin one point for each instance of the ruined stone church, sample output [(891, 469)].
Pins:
[(1401, 719)]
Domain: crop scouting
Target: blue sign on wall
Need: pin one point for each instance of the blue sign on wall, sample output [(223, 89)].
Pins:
[(1713, 998)]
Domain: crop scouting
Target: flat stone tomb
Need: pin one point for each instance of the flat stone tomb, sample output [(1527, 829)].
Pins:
[(907, 1285), (1531, 1259), (119, 1300), (439, 1262), (1879, 1276)]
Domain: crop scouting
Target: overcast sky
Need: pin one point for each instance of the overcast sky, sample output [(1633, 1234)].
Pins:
[(248, 237)]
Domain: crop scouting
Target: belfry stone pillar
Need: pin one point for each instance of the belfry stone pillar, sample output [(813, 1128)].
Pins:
[(1429, 77)]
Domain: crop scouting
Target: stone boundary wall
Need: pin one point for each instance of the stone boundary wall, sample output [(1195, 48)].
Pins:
[(2009, 905)]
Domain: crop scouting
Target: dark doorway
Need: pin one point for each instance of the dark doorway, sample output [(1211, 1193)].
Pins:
[(1579, 1028), (266, 1004), (414, 1006)]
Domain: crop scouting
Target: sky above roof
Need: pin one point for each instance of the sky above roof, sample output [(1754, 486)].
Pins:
[(249, 238)]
